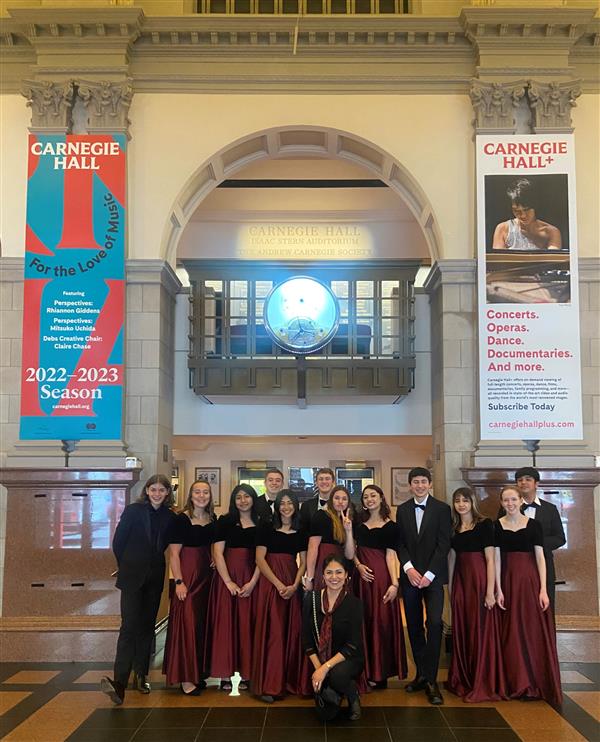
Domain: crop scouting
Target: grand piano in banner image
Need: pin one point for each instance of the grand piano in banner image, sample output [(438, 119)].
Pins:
[(528, 277)]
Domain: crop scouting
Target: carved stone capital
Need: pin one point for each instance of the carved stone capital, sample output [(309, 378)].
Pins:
[(107, 104), (551, 104), (50, 104), (494, 104)]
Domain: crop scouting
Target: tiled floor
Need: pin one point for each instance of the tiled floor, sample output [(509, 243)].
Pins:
[(52, 702)]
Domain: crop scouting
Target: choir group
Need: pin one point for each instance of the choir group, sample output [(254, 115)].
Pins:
[(305, 600)]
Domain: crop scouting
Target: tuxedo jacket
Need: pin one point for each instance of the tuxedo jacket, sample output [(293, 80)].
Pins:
[(263, 509), (548, 517), (428, 549), (307, 511), (139, 559)]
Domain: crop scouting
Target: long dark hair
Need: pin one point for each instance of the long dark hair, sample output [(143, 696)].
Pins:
[(384, 508), (234, 512), (467, 493), (169, 500), (277, 515), (189, 505)]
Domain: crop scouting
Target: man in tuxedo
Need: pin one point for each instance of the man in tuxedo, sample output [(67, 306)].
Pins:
[(265, 504), (424, 530), (527, 478), (325, 481)]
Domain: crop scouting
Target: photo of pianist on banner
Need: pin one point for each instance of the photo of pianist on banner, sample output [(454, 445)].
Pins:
[(527, 239)]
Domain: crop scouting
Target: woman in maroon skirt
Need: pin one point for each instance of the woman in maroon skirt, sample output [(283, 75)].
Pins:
[(476, 671), (232, 602), (376, 563), (189, 558), (278, 659), (528, 634), (330, 533)]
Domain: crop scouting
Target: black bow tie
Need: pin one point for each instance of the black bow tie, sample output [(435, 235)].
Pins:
[(420, 507), (322, 503), (524, 506)]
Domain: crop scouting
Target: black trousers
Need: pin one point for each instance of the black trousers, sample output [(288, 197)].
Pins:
[(139, 608), (342, 677), (425, 638)]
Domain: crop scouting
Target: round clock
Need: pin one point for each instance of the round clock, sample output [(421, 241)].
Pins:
[(301, 314)]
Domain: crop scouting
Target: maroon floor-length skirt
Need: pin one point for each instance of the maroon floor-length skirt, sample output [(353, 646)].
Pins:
[(476, 669), (324, 551), (187, 629), (528, 635), (385, 651), (229, 648), (278, 662)]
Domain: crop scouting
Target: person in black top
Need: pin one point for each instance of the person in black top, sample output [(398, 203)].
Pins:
[(139, 546), (325, 482), (475, 672), (232, 602), (528, 634), (377, 586), (527, 478), (332, 622), (190, 539), (277, 659), (265, 504), (424, 529)]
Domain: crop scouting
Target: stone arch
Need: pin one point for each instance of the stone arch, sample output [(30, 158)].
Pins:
[(294, 141)]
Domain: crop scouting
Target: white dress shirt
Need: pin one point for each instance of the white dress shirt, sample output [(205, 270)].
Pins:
[(529, 511), (419, 519)]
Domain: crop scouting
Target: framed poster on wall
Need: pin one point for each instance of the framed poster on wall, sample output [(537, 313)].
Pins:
[(400, 490), (212, 475)]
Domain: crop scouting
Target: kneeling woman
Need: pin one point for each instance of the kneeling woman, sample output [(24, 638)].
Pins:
[(278, 660), (232, 605), (332, 621)]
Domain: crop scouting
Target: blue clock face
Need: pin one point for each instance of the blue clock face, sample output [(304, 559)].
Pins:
[(301, 314)]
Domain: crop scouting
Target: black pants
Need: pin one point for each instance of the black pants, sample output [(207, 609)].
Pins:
[(138, 618), (342, 677), (425, 646)]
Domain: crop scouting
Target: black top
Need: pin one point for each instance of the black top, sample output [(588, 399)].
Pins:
[(234, 535), (480, 536), (522, 540), (278, 542), (385, 537), (322, 525), (346, 630), (183, 532)]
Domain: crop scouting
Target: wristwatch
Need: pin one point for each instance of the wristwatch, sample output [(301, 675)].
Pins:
[(179, 582)]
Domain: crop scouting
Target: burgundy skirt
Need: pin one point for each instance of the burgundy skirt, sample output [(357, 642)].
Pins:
[(231, 619), (324, 551), (186, 631), (528, 635), (476, 671), (278, 661)]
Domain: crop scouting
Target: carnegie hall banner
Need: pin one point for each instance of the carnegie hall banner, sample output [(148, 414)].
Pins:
[(72, 372), (529, 369)]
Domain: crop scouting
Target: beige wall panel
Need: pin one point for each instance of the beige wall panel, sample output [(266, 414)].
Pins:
[(586, 120), (14, 120), (175, 135)]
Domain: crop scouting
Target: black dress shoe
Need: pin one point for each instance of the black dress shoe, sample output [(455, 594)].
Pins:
[(267, 698), (142, 685), (419, 683), (194, 692), (354, 708), (434, 694), (113, 689)]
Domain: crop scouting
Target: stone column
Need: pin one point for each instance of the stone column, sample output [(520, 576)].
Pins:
[(150, 358), (451, 286)]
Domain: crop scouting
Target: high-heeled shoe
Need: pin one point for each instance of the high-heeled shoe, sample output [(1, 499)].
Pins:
[(196, 690)]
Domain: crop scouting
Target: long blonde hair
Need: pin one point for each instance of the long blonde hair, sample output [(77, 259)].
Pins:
[(188, 508), (339, 532)]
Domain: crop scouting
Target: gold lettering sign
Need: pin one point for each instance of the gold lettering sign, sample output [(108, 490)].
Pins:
[(301, 241)]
